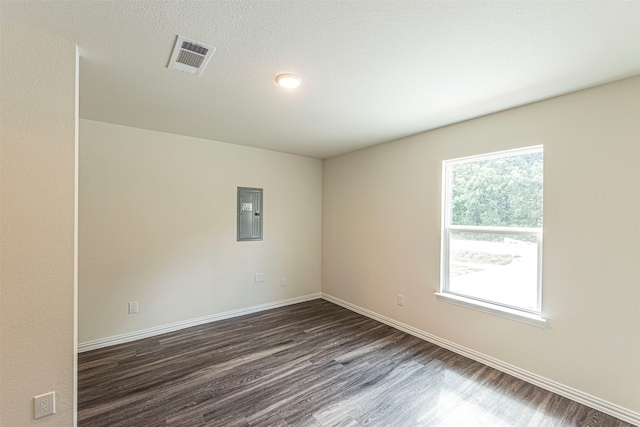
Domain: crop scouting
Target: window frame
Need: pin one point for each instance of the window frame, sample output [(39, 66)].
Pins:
[(532, 316)]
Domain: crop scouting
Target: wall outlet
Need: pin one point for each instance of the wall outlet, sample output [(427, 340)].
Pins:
[(133, 307), (283, 282), (259, 277), (401, 300), (44, 405)]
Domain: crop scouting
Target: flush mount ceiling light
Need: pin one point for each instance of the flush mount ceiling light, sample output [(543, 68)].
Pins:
[(288, 81)]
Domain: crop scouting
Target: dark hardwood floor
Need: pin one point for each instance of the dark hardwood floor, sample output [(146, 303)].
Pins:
[(309, 364)]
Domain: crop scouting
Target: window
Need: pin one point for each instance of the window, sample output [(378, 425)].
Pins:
[(492, 233)]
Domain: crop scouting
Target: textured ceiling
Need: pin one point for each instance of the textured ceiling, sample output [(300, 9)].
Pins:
[(373, 71)]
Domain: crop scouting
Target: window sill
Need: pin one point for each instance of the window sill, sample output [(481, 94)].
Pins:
[(520, 316)]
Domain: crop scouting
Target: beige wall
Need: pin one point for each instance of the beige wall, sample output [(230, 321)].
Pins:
[(37, 193), (381, 237), (157, 225)]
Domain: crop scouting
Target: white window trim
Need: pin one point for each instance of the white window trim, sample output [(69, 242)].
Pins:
[(532, 317), (497, 310)]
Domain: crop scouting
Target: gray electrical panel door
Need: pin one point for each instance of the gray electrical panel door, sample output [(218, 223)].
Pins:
[(249, 213)]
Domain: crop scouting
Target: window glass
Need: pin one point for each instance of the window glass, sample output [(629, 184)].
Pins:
[(492, 228), (502, 191)]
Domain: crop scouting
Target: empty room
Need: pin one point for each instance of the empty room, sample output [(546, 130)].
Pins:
[(319, 213)]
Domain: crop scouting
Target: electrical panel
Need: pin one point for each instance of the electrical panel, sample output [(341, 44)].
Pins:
[(250, 213)]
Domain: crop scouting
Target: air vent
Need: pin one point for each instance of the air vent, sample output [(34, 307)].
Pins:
[(190, 56)]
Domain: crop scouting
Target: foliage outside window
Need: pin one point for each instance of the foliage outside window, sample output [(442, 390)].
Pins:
[(492, 228)]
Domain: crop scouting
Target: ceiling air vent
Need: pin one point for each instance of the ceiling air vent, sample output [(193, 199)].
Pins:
[(190, 56)]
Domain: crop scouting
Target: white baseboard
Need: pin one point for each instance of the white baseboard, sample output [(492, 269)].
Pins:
[(542, 382), (158, 330)]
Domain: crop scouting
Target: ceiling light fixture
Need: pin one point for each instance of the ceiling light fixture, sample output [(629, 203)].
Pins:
[(288, 81)]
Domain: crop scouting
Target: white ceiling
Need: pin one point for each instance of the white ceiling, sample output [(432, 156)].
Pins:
[(373, 71)]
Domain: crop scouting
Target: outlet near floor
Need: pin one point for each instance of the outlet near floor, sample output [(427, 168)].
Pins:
[(133, 307), (283, 282), (401, 300), (44, 405)]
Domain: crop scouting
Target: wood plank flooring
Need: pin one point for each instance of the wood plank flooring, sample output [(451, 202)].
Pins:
[(309, 364)]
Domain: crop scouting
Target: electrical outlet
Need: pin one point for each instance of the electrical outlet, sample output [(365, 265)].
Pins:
[(133, 307), (259, 277), (283, 282), (44, 405), (401, 300)]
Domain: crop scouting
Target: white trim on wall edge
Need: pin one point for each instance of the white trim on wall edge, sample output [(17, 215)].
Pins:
[(496, 310), (535, 379), (171, 327)]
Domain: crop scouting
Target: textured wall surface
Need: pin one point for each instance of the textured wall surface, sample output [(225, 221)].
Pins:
[(37, 190), (381, 237), (157, 225)]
